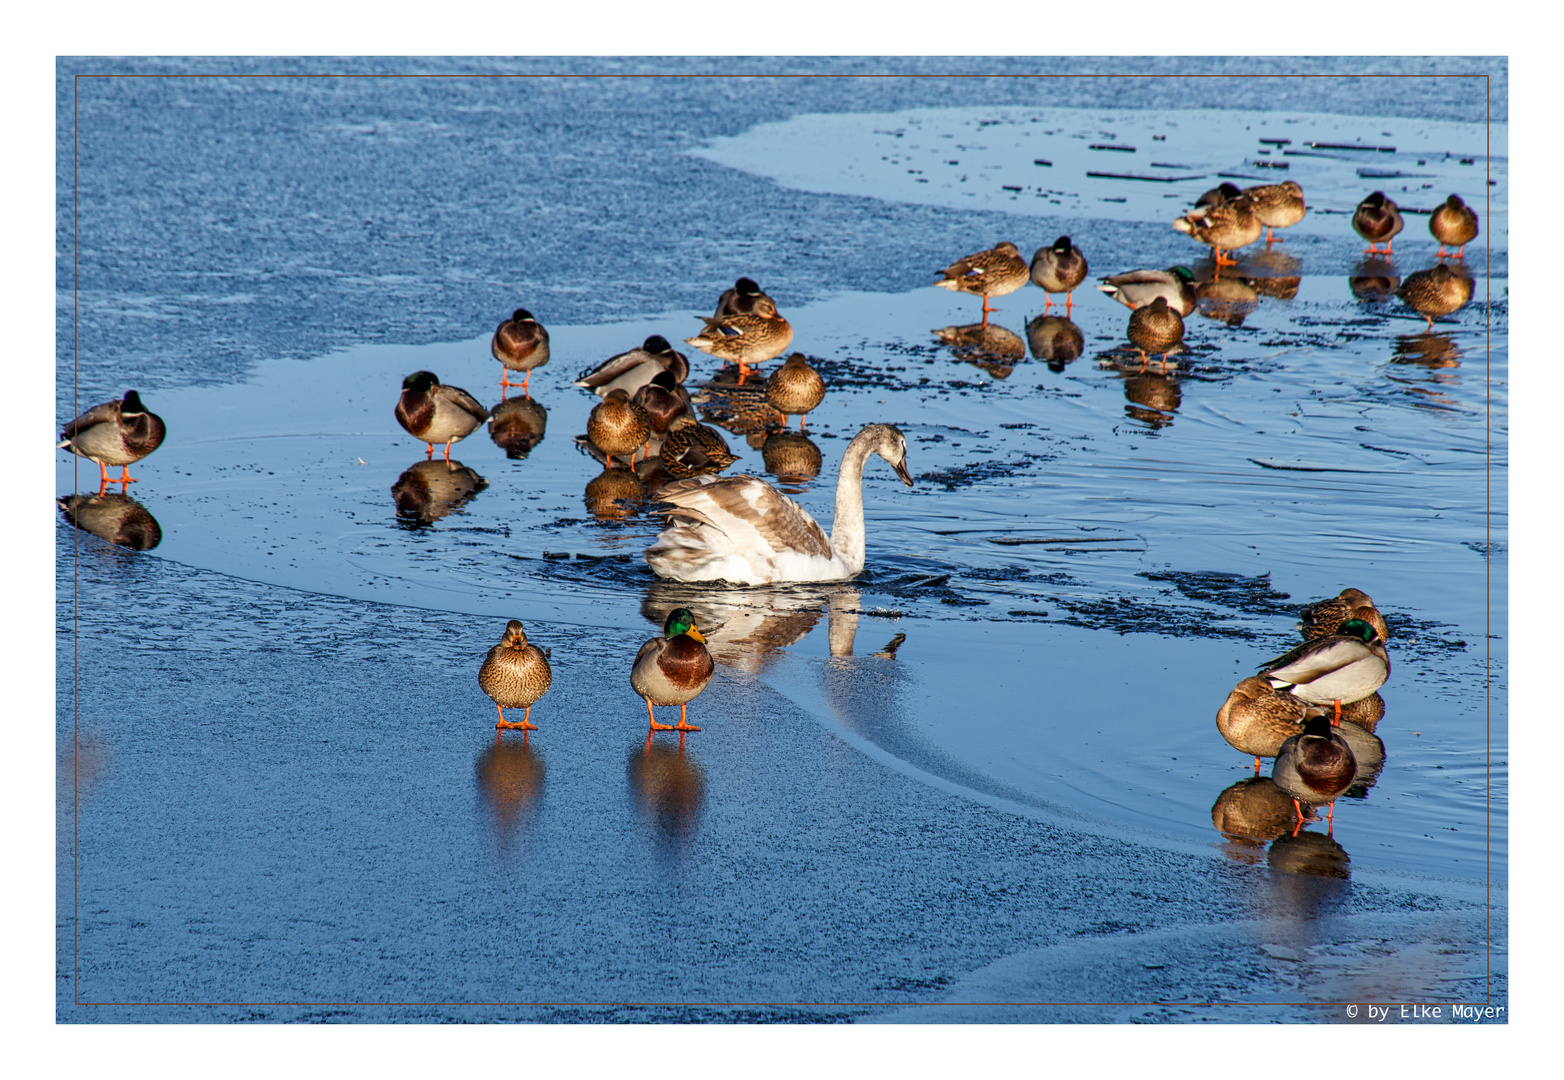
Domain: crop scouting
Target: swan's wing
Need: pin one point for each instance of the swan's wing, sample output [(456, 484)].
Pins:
[(462, 400), (755, 517)]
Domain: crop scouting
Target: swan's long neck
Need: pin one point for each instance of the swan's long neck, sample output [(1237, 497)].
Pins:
[(847, 524)]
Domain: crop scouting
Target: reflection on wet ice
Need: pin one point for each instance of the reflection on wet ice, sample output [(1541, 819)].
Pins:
[(1153, 397), (510, 777), (1227, 300), (1251, 813), (518, 425), (988, 345), (119, 519), (429, 490), (668, 787), (746, 628), (1055, 340), (614, 493), (1309, 853), (1427, 349), (791, 456)]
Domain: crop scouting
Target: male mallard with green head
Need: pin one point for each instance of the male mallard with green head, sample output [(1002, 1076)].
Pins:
[(634, 369), (436, 413), (1059, 268), (618, 425), (1454, 223), (1342, 667), (114, 433), (1137, 288), (1377, 218), (1315, 767), (1155, 328), (996, 272), (745, 339), (521, 344), (672, 669), (515, 674), (1326, 616), (1435, 292), (795, 388)]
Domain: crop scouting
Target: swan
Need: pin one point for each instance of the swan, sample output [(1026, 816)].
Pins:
[(741, 529)]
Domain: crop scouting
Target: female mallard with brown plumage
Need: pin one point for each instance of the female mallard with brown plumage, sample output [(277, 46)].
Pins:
[(1435, 292), (998, 271), (1315, 767), (1256, 719), (515, 674), (693, 449), (618, 426), (795, 388), (1277, 205), (115, 433), (1059, 268), (634, 369), (521, 344), (1377, 218), (1224, 226), (1326, 616), (1453, 223), (1156, 328), (672, 669), (436, 413), (745, 339)]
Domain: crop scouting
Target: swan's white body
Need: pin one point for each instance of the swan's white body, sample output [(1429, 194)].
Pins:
[(743, 530)]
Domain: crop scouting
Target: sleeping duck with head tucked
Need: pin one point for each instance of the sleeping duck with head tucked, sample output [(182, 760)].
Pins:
[(743, 530)]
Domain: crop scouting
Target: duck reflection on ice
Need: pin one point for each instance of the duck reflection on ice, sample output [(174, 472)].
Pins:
[(1153, 397), (1371, 281), (669, 788), (614, 494), (1309, 853), (510, 779), (746, 628), (988, 345), (1054, 340), (1250, 814), (791, 456), (1427, 350), (119, 519), (1228, 300), (432, 489), (518, 425)]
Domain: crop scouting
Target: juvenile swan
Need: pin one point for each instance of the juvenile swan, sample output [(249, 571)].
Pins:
[(741, 529)]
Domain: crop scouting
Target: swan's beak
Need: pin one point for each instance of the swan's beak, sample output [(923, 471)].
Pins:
[(901, 471)]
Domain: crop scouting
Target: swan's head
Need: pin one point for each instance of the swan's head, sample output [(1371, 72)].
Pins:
[(888, 441)]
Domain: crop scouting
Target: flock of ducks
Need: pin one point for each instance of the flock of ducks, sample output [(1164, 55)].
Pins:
[(1315, 707)]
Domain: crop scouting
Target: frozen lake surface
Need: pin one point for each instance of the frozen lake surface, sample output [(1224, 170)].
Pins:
[(296, 797)]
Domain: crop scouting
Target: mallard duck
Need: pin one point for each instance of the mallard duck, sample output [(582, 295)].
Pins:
[(693, 449), (521, 344), (1377, 218), (114, 433), (119, 519), (1315, 767), (1454, 223), (1256, 718), (662, 400), (742, 529), (672, 669), (1277, 205), (1366, 713), (518, 426), (1156, 328), (996, 272), (436, 413), (1344, 666), (632, 370), (795, 388), (741, 299), (1138, 288), (618, 425), (745, 339), (1224, 226), (1055, 340), (515, 674), (1437, 291), (1058, 269), (432, 489), (1325, 616), (791, 456), (1220, 194)]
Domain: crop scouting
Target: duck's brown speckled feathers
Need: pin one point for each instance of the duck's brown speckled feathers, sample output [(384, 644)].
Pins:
[(1435, 292), (996, 272), (693, 449), (1277, 205), (745, 339), (1224, 226), (1059, 268), (1156, 328), (515, 674), (1454, 224), (1325, 616), (1256, 719), (1377, 218), (741, 299), (521, 344), (618, 426), (795, 388)]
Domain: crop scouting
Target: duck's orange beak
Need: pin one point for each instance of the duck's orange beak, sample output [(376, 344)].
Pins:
[(696, 634)]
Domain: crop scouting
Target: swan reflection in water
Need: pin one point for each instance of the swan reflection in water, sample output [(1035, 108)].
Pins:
[(745, 628), (1055, 340), (119, 519), (1427, 349), (988, 345), (669, 788), (510, 776), (517, 425), (432, 489)]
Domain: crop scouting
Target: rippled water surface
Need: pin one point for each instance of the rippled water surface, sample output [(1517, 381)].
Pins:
[(1094, 551)]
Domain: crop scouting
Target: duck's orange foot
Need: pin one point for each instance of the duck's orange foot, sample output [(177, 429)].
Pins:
[(514, 725)]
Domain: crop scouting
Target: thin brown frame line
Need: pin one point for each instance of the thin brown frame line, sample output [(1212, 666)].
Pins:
[(1488, 286)]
